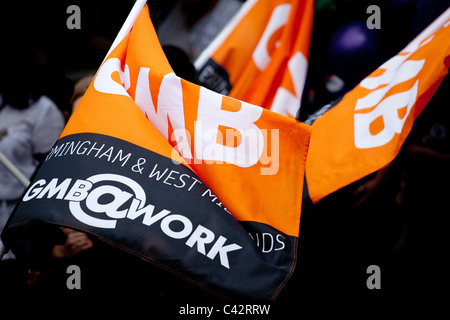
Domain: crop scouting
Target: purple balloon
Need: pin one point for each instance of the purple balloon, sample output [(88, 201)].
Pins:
[(354, 50)]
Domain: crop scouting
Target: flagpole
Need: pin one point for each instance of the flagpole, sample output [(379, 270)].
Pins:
[(14, 171), (19, 176), (2, 250), (432, 28), (220, 38), (127, 25)]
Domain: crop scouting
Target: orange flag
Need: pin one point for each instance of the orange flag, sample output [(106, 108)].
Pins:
[(204, 185), (261, 56), (366, 129)]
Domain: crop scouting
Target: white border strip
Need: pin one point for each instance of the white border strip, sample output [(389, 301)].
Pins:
[(127, 25), (220, 38)]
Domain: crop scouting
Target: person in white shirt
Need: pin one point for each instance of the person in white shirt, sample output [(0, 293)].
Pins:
[(27, 134)]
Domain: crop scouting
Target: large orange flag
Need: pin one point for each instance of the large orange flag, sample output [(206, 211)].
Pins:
[(201, 184), (261, 57), (367, 128)]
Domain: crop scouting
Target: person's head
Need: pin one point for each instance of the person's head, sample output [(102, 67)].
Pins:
[(16, 85), (80, 88), (180, 63)]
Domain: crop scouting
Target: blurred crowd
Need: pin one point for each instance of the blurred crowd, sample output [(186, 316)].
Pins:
[(396, 218)]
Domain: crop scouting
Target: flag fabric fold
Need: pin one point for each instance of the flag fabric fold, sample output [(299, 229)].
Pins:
[(261, 57), (201, 184)]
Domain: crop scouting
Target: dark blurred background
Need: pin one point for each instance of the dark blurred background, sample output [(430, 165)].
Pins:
[(35, 32)]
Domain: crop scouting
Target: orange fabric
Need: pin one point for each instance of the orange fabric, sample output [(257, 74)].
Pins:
[(266, 189), (258, 53), (366, 129)]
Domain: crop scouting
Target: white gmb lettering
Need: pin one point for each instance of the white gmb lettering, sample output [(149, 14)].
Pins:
[(170, 108), (380, 105), (85, 204), (278, 19)]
